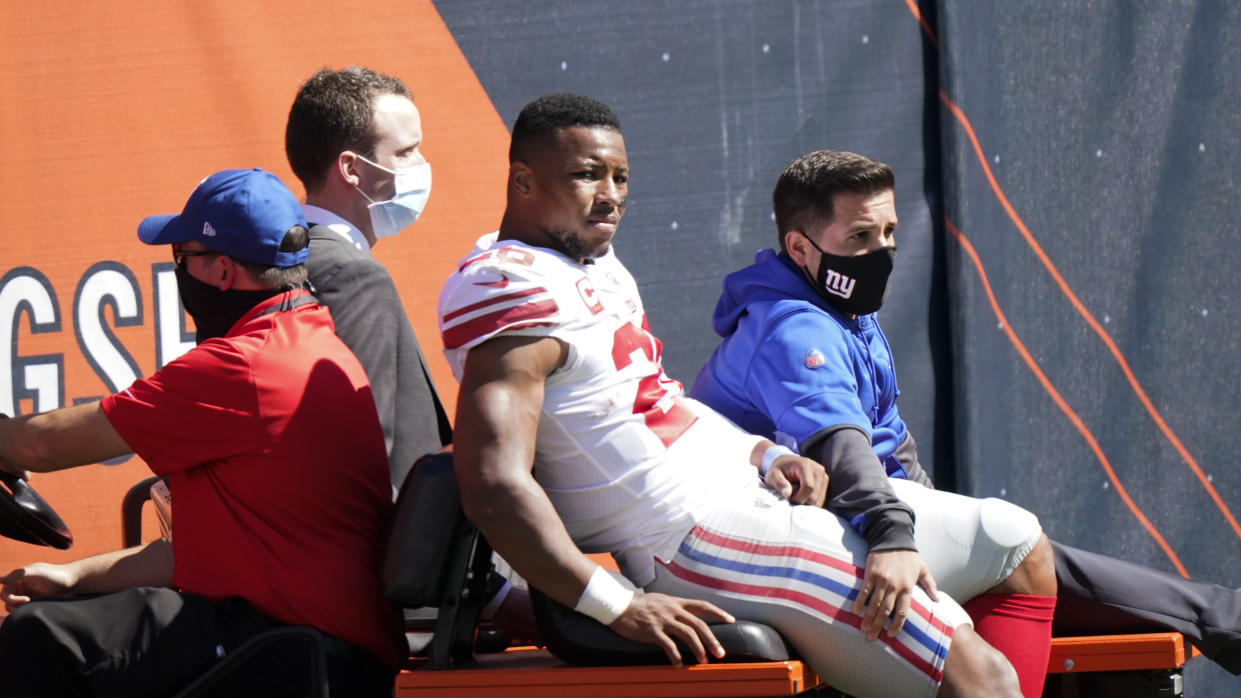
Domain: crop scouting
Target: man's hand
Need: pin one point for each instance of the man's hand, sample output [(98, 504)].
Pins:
[(658, 619), (798, 479), (34, 581), (887, 589)]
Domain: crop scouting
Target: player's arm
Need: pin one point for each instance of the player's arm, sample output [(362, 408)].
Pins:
[(148, 565), (497, 420), (859, 492), (59, 439)]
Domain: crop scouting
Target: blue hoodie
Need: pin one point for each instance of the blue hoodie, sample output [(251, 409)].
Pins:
[(794, 369), (791, 367)]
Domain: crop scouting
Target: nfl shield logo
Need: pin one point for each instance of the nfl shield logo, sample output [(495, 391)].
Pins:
[(814, 359)]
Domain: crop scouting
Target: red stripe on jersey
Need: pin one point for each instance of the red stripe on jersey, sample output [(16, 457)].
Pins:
[(494, 300), (524, 315), (475, 258)]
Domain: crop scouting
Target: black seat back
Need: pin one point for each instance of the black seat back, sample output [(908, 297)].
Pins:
[(436, 557)]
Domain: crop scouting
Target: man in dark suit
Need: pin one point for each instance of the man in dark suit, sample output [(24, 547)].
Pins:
[(353, 138)]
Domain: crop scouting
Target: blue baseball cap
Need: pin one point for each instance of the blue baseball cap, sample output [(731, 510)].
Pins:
[(241, 213)]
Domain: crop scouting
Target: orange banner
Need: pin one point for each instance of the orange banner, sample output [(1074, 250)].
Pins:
[(111, 115)]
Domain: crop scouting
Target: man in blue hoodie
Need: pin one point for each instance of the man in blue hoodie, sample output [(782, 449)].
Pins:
[(804, 362)]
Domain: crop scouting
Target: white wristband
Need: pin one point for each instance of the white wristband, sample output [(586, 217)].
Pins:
[(770, 455), (604, 598)]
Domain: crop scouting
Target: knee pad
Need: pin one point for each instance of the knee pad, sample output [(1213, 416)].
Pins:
[(1007, 526)]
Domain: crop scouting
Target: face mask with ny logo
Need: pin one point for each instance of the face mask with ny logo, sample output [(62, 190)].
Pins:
[(855, 285)]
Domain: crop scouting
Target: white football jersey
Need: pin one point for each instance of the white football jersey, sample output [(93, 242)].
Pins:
[(629, 463)]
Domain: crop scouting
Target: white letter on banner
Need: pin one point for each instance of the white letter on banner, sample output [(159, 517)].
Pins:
[(26, 290), (111, 285)]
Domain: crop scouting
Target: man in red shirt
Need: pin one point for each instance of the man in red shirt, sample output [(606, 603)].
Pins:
[(269, 437)]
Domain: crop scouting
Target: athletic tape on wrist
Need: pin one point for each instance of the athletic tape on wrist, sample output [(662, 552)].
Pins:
[(604, 598), (771, 454)]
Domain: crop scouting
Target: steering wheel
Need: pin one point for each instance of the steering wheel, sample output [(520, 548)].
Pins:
[(25, 516)]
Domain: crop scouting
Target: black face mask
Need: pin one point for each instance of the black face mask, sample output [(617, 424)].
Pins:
[(215, 311), (855, 285)]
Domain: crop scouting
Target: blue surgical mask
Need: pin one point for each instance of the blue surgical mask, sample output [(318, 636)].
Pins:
[(413, 187)]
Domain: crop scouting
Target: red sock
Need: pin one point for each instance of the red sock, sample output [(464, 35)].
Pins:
[(1019, 626)]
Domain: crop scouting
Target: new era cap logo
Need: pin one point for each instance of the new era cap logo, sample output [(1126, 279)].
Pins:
[(208, 231)]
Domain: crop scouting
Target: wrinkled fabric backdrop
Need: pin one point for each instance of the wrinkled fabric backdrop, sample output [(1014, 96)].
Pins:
[(1065, 313)]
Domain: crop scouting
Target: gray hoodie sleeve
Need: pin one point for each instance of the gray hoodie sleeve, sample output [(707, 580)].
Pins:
[(858, 489), (907, 453)]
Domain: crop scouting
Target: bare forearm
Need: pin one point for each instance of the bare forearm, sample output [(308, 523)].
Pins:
[(528, 533), (59, 439), (149, 565), (497, 422), (502, 498)]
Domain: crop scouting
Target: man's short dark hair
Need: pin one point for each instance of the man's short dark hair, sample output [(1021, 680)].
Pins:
[(542, 117), (803, 195), (279, 278), (334, 111)]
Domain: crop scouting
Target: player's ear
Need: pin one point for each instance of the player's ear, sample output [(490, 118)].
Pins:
[(520, 178), (796, 245), (221, 272), (346, 167)]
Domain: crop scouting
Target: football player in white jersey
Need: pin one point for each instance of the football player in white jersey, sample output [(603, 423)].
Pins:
[(570, 437)]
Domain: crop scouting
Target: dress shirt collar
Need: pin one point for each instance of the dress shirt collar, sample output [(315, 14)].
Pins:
[(340, 226)]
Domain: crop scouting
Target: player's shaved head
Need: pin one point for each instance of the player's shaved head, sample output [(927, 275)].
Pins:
[(542, 117)]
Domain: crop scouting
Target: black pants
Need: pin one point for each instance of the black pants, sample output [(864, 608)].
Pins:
[(153, 642), (1100, 594)]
